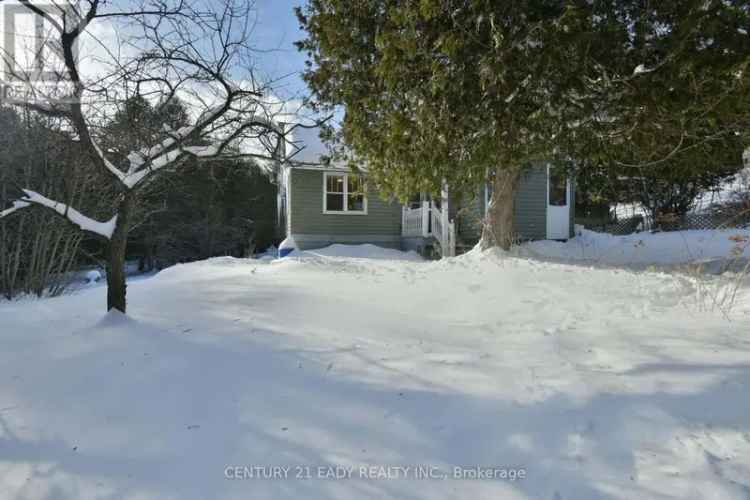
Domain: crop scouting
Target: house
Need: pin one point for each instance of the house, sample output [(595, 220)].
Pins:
[(321, 204)]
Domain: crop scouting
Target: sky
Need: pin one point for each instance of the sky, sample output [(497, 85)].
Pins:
[(275, 33), (276, 29)]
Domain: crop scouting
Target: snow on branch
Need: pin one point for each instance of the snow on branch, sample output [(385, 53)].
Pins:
[(108, 164), (172, 149), (17, 205), (641, 69), (132, 180), (209, 117), (104, 229)]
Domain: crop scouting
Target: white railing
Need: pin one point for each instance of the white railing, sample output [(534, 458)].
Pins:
[(436, 223), (444, 231), (429, 221), (415, 222)]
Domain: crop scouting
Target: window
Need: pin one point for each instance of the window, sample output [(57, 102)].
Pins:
[(335, 193), (558, 187), (344, 193)]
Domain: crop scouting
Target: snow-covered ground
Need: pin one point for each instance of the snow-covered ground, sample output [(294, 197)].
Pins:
[(364, 251), (595, 383), (645, 249)]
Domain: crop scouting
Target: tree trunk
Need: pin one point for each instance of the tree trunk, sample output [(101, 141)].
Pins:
[(116, 284), (498, 227)]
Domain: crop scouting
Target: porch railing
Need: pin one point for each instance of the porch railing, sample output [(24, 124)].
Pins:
[(415, 221), (444, 231), (436, 223), (427, 221)]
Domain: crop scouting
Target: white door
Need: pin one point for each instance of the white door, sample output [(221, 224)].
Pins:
[(558, 204)]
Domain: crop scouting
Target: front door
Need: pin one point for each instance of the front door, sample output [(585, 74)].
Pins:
[(558, 204)]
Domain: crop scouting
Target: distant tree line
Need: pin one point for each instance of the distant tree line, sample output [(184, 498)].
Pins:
[(133, 144), (219, 207), (36, 251), (669, 191)]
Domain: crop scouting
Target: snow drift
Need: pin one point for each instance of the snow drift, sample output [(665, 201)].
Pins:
[(678, 247)]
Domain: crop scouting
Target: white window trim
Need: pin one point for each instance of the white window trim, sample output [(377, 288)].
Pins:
[(346, 210)]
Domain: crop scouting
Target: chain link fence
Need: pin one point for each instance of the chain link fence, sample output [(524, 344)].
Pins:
[(638, 223)]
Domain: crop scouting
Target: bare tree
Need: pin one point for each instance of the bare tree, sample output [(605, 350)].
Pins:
[(198, 52)]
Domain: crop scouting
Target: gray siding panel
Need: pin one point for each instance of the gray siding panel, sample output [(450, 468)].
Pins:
[(530, 208), (530, 216), (306, 209), (382, 224)]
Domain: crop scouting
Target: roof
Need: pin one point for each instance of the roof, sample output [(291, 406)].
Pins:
[(306, 150), (305, 146)]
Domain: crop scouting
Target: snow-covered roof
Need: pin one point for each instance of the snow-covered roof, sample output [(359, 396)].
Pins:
[(305, 146), (306, 150)]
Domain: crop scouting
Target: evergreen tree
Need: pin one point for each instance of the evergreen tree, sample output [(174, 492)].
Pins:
[(454, 90), (219, 207)]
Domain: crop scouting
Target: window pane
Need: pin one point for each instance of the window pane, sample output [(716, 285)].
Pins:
[(356, 202), (335, 184), (558, 188), (355, 184), (334, 202)]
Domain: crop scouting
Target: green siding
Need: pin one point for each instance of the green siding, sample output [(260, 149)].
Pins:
[(382, 224), (530, 217), (306, 210), (530, 211)]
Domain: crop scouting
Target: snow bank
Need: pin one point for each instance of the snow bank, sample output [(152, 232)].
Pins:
[(678, 247), (364, 251)]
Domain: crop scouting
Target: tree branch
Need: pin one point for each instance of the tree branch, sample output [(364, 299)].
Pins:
[(17, 205), (103, 229)]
